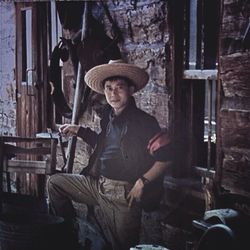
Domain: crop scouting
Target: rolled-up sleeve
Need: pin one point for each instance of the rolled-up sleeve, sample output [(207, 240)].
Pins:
[(164, 153), (88, 135)]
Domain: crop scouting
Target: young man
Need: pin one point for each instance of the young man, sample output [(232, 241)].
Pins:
[(121, 171)]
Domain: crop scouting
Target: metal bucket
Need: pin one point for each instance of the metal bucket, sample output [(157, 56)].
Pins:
[(148, 247)]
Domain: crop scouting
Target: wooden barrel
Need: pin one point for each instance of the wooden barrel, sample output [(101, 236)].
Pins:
[(31, 232)]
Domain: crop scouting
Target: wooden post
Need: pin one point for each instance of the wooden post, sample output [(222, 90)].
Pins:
[(79, 91)]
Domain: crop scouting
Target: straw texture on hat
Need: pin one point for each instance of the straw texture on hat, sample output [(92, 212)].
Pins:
[(94, 77)]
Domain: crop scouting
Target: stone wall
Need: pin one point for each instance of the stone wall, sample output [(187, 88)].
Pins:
[(145, 32), (7, 69), (235, 104), (145, 36)]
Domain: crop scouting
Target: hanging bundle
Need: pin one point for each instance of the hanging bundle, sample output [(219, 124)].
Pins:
[(57, 95), (96, 48)]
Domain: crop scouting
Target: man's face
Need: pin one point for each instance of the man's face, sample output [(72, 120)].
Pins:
[(117, 93)]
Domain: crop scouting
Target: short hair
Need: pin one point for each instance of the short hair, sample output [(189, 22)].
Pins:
[(115, 78)]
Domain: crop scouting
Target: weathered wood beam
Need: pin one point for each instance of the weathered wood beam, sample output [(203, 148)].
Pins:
[(35, 167), (205, 74)]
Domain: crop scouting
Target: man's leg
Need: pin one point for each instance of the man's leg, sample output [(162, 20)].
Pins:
[(65, 188), (62, 190), (123, 226), (122, 223)]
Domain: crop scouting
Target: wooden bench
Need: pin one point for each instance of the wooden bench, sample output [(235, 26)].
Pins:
[(29, 161)]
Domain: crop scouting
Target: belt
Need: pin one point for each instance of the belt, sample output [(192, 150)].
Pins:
[(114, 182)]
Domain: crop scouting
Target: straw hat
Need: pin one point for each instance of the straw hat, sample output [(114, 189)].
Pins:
[(94, 77)]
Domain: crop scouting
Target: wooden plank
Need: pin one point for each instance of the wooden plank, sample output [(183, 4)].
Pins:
[(26, 139), (235, 129), (178, 130), (196, 124), (205, 74), (35, 167), (18, 71), (51, 168), (34, 151), (30, 169), (235, 75)]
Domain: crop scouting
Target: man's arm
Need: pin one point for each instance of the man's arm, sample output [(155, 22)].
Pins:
[(157, 170), (69, 129), (159, 140), (88, 135)]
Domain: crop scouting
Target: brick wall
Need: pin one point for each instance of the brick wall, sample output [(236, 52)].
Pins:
[(235, 104), (145, 31)]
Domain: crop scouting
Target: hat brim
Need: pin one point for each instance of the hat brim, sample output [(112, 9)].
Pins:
[(94, 77)]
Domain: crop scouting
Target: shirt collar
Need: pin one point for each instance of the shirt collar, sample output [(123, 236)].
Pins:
[(124, 114)]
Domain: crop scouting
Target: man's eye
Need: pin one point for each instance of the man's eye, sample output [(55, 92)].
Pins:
[(121, 87), (108, 88)]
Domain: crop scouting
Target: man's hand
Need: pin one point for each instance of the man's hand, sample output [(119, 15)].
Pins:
[(136, 192), (69, 129), (159, 140)]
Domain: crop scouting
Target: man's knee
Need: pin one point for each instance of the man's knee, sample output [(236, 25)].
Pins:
[(54, 181)]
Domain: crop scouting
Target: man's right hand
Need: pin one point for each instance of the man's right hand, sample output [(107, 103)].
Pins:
[(136, 192), (69, 129)]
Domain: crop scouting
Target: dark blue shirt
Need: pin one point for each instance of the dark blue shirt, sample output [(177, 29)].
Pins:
[(111, 160), (120, 150)]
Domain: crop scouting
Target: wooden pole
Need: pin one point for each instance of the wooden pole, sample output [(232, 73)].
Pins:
[(79, 91)]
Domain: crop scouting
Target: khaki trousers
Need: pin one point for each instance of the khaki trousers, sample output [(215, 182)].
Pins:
[(121, 223)]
